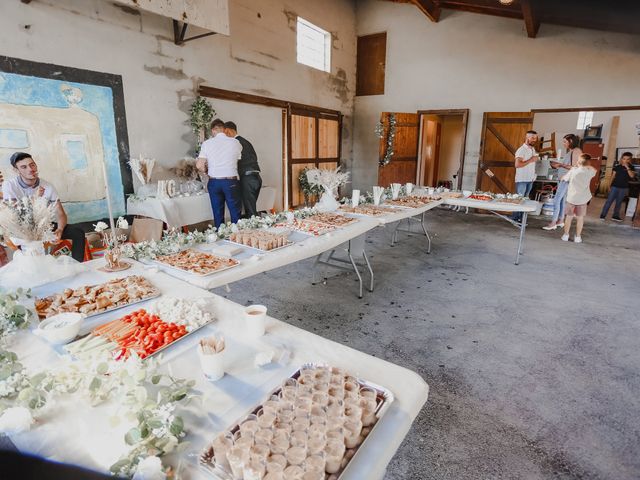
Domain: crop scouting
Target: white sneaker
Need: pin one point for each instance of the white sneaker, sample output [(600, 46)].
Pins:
[(577, 239), (565, 238), (560, 225)]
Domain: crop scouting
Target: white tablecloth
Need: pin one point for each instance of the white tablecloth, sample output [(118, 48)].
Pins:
[(175, 212), (180, 211), (526, 206), (76, 433), (252, 262), (403, 213)]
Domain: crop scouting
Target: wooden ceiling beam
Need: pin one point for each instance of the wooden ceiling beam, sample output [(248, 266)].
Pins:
[(531, 20), (429, 7), (484, 8)]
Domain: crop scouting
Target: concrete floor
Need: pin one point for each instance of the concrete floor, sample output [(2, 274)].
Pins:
[(533, 368)]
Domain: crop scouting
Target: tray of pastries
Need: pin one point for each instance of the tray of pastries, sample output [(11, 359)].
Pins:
[(512, 198), (410, 202), (308, 227), (368, 210), (333, 219), (483, 197), (311, 426), (97, 299), (196, 262), (261, 239)]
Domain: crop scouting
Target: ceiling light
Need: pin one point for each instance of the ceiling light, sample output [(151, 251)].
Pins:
[(506, 2)]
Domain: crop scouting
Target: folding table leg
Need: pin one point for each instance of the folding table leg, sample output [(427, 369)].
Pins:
[(424, 229), (355, 269), (314, 269), (366, 259), (523, 226)]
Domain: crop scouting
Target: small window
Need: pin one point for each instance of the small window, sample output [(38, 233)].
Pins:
[(314, 46), (584, 120), (13, 138), (76, 154)]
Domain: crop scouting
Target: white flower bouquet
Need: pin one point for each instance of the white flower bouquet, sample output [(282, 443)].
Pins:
[(28, 219)]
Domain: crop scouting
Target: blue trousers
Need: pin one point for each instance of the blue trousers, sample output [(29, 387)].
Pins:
[(616, 194), (559, 201), (224, 190), (523, 189)]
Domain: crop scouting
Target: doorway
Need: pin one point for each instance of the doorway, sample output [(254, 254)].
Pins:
[(441, 147)]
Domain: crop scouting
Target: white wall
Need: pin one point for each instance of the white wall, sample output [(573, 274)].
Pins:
[(160, 79), (486, 64), (262, 126), (566, 122)]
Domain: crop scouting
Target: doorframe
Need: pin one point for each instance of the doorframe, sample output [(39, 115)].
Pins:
[(286, 106), (446, 112)]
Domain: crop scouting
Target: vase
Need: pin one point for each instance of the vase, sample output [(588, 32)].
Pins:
[(33, 248), (112, 257), (328, 202)]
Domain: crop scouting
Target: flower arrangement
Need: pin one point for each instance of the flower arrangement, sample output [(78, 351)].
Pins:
[(29, 219), (112, 242), (142, 167), (186, 169), (388, 152), (201, 113), (158, 428), (13, 315), (308, 189), (329, 180)]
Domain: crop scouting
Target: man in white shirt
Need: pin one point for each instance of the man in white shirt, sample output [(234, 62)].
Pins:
[(27, 183), (218, 158), (525, 163)]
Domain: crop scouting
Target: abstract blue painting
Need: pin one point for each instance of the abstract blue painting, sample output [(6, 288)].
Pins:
[(71, 130)]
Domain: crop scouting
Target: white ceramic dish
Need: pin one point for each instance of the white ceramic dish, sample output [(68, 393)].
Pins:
[(60, 328)]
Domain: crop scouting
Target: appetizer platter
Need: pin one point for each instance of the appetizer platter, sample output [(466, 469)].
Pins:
[(483, 197), (452, 195), (97, 299), (196, 262), (410, 202), (332, 219), (143, 332), (513, 198), (307, 227), (368, 210), (317, 420), (261, 239)]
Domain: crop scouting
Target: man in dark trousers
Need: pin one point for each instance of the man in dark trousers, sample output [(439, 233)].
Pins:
[(248, 170)]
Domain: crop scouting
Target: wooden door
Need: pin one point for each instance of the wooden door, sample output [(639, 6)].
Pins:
[(502, 135), (431, 134), (404, 162), (314, 141), (596, 150)]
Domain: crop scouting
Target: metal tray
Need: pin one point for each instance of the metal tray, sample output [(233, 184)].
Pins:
[(153, 295), (319, 222), (157, 351), (384, 398), (183, 270), (288, 244)]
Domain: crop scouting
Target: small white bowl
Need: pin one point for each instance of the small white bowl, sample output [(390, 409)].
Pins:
[(61, 328)]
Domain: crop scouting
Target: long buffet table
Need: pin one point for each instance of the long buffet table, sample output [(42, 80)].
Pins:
[(76, 433), (349, 238)]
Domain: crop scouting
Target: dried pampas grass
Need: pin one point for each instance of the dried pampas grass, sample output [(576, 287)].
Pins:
[(186, 169), (29, 218)]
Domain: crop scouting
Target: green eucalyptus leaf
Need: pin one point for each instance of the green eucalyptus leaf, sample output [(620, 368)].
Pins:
[(156, 379), (133, 436), (154, 423), (177, 426), (37, 379), (5, 372), (102, 368), (116, 467), (95, 384)]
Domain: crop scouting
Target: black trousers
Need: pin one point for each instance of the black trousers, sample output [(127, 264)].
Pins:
[(76, 235), (250, 186)]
